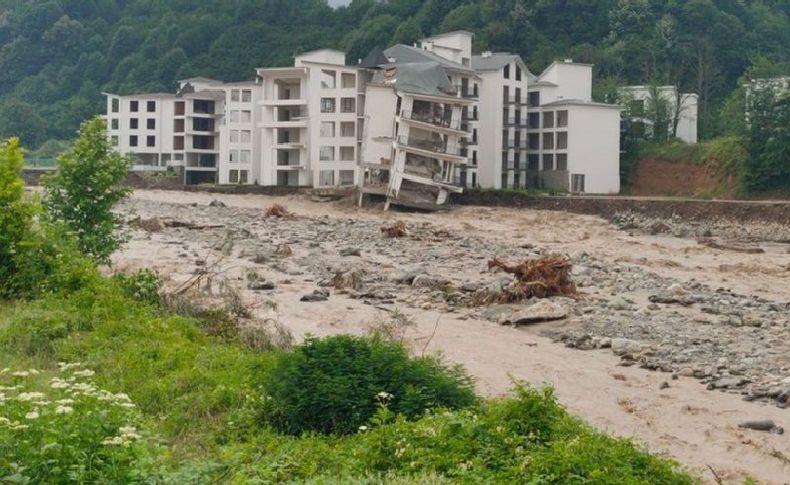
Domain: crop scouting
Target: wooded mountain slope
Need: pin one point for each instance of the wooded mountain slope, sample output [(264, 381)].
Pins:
[(57, 56)]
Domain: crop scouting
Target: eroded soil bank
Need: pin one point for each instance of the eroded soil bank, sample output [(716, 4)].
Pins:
[(680, 333)]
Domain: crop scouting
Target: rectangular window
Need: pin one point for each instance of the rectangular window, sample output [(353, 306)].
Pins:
[(233, 176), (327, 154), (346, 177), (180, 108), (234, 116), (562, 140), (518, 73), (347, 129), (114, 140), (178, 125), (548, 141), (150, 123), (562, 161), (234, 136), (507, 71), (150, 141), (116, 105), (533, 161), (506, 94), (348, 81), (577, 183), (178, 143), (562, 119), (548, 161), (114, 124), (151, 106), (133, 141), (134, 106), (548, 119), (348, 105), (347, 154), (235, 157), (474, 157), (134, 123), (246, 156), (326, 177), (246, 116), (534, 141), (533, 122), (234, 95), (518, 94), (328, 79), (246, 136), (327, 105), (246, 96), (327, 129), (533, 99)]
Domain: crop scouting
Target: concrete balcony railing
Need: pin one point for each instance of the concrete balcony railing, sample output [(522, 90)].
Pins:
[(469, 92), (515, 144), (433, 146), (440, 120), (513, 121)]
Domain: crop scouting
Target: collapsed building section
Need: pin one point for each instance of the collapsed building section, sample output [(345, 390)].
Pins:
[(415, 141)]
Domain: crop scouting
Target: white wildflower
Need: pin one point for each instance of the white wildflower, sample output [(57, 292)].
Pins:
[(64, 402), (58, 384), (4, 420), (30, 396), (17, 426), (64, 366), (84, 373), (126, 405), (385, 396), (32, 415), (363, 428), (5, 371), (114, 441), (64, 410), (20, 373), (34, 372)]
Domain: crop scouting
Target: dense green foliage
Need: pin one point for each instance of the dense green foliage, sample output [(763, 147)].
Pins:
[(334, 385), (199, 401), (82, 193), (768, 139), (16, 214), (56, 56)]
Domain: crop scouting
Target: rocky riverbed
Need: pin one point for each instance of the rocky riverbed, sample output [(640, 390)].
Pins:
[(655, 300)]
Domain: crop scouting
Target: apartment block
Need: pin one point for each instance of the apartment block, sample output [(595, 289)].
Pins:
[(680, 110)]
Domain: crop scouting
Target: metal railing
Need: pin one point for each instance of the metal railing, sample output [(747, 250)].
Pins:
[(440, 119), (435, 146)]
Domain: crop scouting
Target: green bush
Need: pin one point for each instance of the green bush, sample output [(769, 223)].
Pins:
[(85, 188), (143, 285), (335, 385), (68, 431)]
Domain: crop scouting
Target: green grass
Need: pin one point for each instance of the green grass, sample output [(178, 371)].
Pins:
[(202, 396), (725, 154)]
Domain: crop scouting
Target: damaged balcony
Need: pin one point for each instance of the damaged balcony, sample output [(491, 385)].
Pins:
[(435, 148)]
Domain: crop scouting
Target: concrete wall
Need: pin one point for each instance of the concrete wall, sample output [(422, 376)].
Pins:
[(379, 124), (594, 147)]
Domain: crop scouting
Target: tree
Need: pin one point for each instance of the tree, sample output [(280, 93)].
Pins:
[(86, 187), (768, 136), (16, 214)]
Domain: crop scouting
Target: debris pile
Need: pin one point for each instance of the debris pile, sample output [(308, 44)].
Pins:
[(541, 277), (396, 230), (277, 210)]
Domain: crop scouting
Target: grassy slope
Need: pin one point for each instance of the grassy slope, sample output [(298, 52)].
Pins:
[(201, 394)]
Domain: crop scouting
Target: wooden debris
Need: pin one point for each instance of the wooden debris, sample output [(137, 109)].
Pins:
[(279, 211), (535, 278), (396, 230)]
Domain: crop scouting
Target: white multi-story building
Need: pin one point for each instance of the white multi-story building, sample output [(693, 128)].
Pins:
[(413, 123), (680, 110)]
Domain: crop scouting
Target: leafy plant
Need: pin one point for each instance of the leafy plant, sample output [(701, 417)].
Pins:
[(331, 385), (143, 285), (86, 187)]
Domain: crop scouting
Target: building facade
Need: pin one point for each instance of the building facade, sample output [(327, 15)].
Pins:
[(678, 110), (412, 123)]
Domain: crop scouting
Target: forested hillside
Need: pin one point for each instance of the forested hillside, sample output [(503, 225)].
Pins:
[(57, 56)]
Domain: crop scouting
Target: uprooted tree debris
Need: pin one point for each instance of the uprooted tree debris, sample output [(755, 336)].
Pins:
[(541, 277), (279, 211), (396, 230)]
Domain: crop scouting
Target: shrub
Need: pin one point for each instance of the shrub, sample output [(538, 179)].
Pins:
[(331, 385), (86, 187), (67, 432), (143, 285)]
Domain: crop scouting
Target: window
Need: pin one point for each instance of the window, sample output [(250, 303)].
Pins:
[(150, 141), (246, 136), (506, 94), (347, 154), (562, 140), (246, 116), (178, 143), (346, 177), (348, 81), (507, 71), (234, 156), (348, 105), (234, 95), (246, 156), (326, 177), (180, 108), (548, 161), (116, 105), (328, 79), (562, 161), (548, 141), (562, 119), (114, 140), (347, 129), (533, 121), (134, 123), (150, 123), (534, 141), (114, 123), (234, 116), (533, 99), (533, 161), (327, 105), (548, 119), (327, 129), (134, 106), (234, 136), (178, 125), (518, 94), (233, 176), (327, 154), (577, 183), (518, 73), (133, 141), (474, 157), (151, 106), (246, 96)]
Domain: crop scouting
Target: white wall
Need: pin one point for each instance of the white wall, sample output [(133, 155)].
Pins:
[(325, 56), (574, 81), (454, 47), (594, 147), (379, 124)]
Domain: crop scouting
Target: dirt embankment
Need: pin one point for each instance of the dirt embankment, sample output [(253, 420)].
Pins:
[(654, 177)]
